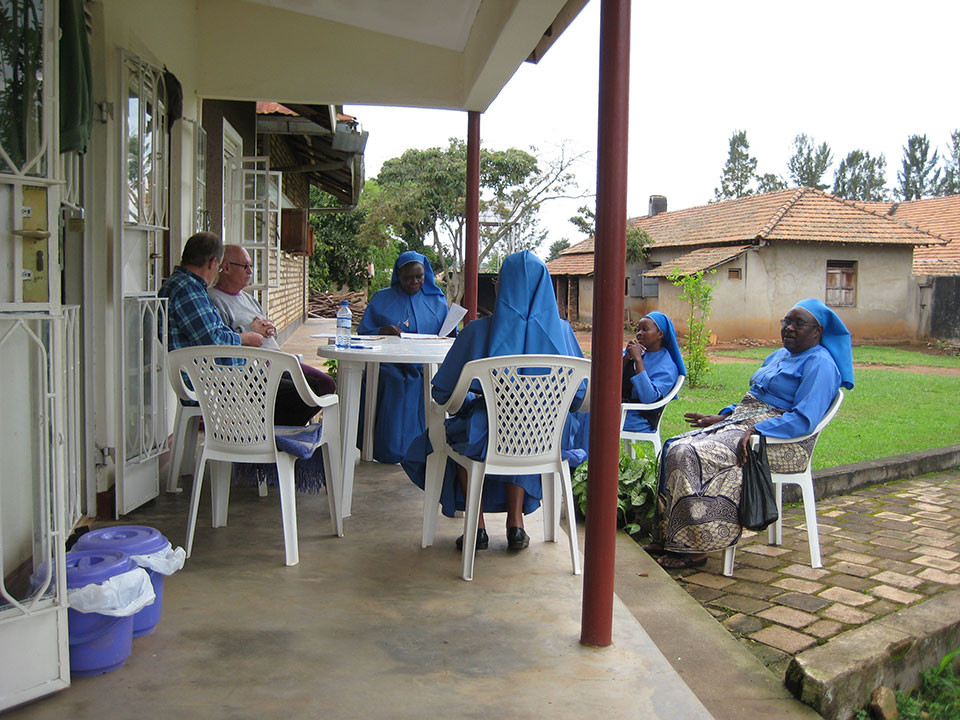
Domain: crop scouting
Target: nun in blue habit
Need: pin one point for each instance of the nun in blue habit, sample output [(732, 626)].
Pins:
[(412, 303), (701, 471), (524, 321), (652, 362)]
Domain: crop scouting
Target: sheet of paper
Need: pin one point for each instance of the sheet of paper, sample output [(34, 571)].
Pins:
[(454, 315)]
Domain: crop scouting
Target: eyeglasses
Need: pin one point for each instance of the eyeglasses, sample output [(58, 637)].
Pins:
[(245, 266), (797, 324)]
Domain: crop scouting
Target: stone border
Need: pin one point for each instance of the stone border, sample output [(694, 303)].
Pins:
[(839, 676), (844, 479)]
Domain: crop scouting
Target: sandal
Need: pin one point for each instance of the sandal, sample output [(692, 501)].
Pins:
[(678, 561), (654, 548)]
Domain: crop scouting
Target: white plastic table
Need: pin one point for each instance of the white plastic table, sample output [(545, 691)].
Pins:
[(350, 364)]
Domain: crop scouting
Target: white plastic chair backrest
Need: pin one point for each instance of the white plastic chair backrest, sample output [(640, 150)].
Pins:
[(237, 401), (527, 399), (665, 400)]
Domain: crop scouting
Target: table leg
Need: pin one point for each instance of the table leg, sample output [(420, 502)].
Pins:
[(370, 409), (349, 375), (434, 423)]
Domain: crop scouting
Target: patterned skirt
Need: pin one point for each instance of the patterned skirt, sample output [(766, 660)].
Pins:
[(700, 482)]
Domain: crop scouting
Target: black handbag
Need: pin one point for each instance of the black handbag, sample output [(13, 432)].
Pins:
[(758, 506)]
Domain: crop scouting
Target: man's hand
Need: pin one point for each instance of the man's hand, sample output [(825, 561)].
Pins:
[(390, 330), (264, 327), (251, 339)]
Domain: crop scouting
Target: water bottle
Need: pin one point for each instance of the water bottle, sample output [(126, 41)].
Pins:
[(344, 321)]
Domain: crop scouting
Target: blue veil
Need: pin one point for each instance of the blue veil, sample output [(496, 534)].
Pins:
[(835, 338), (525, 317), (426, 308), (670, 343)]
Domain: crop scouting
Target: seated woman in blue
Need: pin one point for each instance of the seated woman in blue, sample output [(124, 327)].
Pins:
[(412, 303), (524, 321), (702, 470), (651, 365)]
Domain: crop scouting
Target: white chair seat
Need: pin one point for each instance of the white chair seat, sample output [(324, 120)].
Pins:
[(527, 401), (237, 403), (654, 435), (805, 480)]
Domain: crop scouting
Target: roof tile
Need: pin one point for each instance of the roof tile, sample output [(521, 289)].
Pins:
[(701, 259)]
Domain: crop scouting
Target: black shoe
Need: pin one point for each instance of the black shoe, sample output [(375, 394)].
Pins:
[(483, 540), (517, 538)]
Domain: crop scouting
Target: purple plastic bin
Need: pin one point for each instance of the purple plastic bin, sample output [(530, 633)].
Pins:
[(98, 643), (133, 540)]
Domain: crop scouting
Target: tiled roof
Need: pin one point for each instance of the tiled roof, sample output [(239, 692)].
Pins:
[(939, 216), (584, 246), (702, 259), (797, 214), (576, 264)]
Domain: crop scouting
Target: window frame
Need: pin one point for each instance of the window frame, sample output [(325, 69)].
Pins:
[(840, 288)]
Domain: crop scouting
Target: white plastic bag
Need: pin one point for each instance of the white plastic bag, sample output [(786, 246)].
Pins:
[(165, 562), (119, 596)]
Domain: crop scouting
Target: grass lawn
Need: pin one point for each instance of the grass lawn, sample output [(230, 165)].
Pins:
[(874, 355), (889, 412)]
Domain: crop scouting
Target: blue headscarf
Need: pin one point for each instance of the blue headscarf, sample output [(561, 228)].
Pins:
[(835, 338), (427, 311), (525, 318), (669, 342)]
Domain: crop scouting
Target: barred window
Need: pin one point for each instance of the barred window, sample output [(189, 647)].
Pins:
[(841, 283)]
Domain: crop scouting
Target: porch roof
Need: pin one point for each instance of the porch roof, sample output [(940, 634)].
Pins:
[(457, 54), (700, 259)]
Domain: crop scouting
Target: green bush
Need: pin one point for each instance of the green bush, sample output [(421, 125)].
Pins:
[(637, 492)]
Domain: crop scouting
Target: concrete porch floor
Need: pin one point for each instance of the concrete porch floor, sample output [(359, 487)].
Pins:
[(371, 625)]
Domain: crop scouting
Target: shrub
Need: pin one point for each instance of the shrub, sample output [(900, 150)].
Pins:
[(699, 294), (637, 491)]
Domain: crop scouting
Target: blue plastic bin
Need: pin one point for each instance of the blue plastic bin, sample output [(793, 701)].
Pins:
[(133, 540), (98, 643)]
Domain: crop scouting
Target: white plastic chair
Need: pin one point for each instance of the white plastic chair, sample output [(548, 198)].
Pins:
[(237, 402), (805, 480), (527, 400), (653, 436)]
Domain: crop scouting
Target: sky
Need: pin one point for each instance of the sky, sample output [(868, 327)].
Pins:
[(849, 73)]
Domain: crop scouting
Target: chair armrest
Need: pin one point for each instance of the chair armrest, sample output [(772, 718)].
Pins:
[(306, 392), (755, 440), (455, 402)]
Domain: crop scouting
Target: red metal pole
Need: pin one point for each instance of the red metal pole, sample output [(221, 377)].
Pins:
[(472, 251), (609, 269)]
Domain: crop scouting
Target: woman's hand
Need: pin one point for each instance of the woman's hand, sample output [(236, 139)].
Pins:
[(635, 351), (742, 447), (389, 330), (701, 420)]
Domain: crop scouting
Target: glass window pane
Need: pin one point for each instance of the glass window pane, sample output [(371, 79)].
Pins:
[(133, 143), (21, 83), (147, 149)]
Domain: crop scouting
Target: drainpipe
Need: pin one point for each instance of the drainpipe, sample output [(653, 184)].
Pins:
[(609, 267), (471, 265)]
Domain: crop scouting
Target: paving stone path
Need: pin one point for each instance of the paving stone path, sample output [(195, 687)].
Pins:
[(883, 548)]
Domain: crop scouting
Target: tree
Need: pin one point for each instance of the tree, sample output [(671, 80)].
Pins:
[(920, 176), (340, 256), (638, 241), (860, 176), (739, 170), (423, 196), (556, 248), (809, 162), (585, 220), (698, 293), (950, 182), (769, 182)]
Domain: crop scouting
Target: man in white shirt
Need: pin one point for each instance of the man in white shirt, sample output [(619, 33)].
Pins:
[(242, 313)]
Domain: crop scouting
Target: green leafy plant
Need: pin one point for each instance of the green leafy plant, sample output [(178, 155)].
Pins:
[(330, 366), (699, 294), (937, 697), (637, 487)]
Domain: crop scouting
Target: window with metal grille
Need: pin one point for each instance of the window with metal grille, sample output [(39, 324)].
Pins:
[(841, 283)]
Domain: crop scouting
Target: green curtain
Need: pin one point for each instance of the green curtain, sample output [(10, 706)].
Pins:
[(76, 81)]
